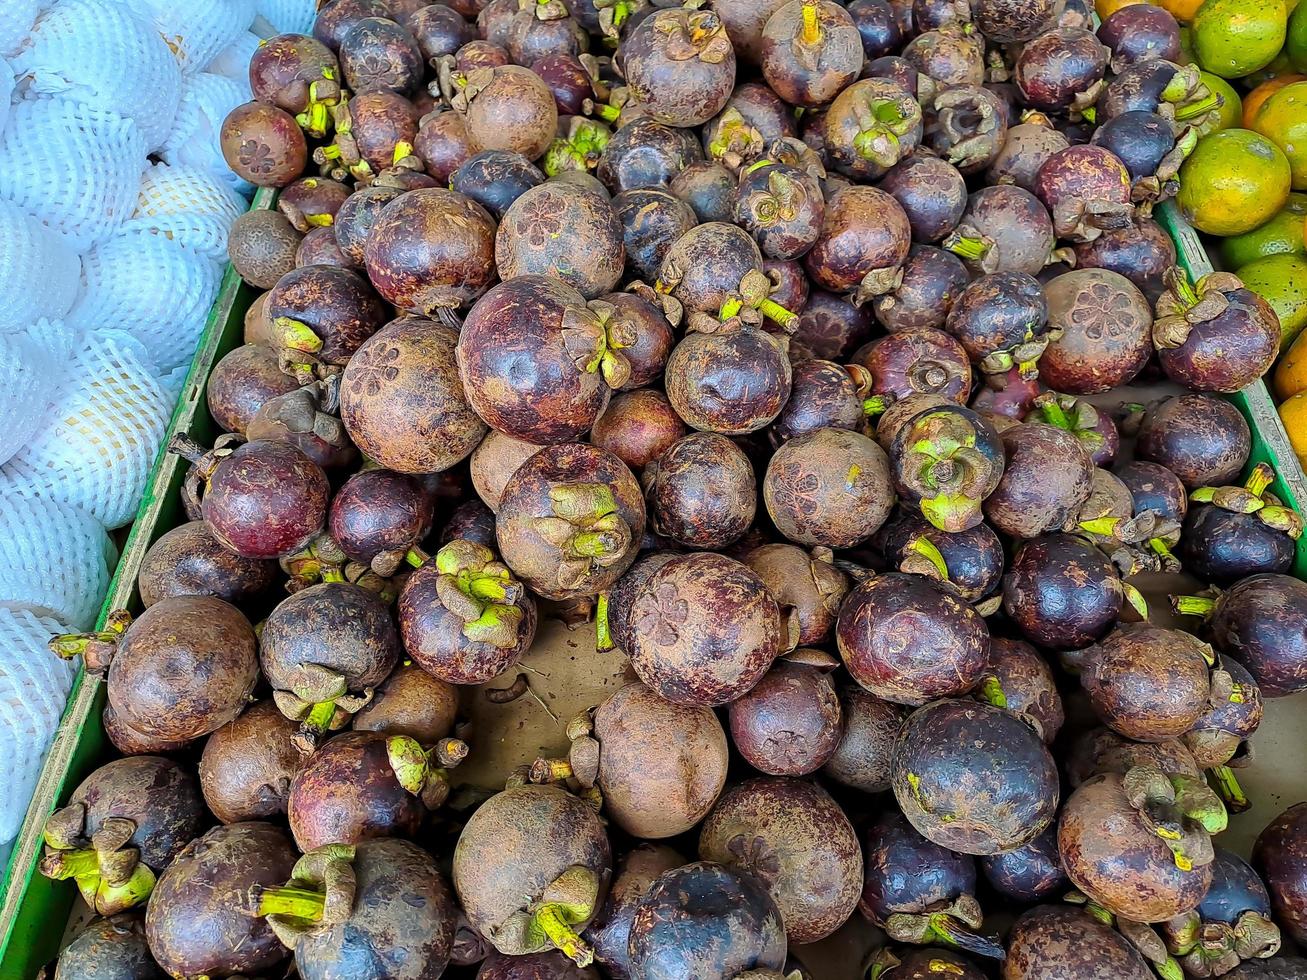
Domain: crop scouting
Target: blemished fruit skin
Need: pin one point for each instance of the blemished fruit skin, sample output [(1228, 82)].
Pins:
[(1283, 120), (1233, 182), (1234, 38)]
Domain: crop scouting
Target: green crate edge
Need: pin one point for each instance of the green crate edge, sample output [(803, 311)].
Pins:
[(1270, 441), (34, 909)]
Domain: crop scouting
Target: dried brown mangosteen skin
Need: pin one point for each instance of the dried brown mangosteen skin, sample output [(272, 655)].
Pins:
[(562, 231), (662, 766), (248, 764), (733, 382), (517, 843), (908, 640), (1046, 479), (793, 837), (831, 488), (1064, 941), (974, 778), (1113, 858), (701, 492), (513, 109), (242, 382), (611, 928), (516, 368), (196, 923), (262, 246), (410, 702), (188, 560), (1100, 324), (685, 646), (402, 401), (494, 462), (185, 667), (808, 584), (866, 747), (348, 792), (1146, 682), (637, 427), (790, 723)]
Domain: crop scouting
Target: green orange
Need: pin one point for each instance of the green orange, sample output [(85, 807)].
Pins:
[(1234, 38), (1230, 115), (1234, 181), (1295, 42), (1254, 100), (1283, 234), (1283, 120), (1281, 280)]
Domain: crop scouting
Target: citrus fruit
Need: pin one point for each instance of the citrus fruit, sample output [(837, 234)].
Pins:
[(1233, 181), (1290, 377), (1234, 38), (1293, 413), (1281, 280), (1106, 8), (1283, 233), (1255, 99), (1230, 115), (1295, 42), (1181, 10), (1283, 120)]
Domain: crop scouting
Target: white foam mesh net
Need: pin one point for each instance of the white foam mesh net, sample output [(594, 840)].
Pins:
[(193, 142), (54, 559), (29, 365), (197, 30), (99, 441), (288, 16), (16, 19), (40, 273), (6, 92), (74, 167), (34, 686), (189, 206), (105, 54), (233, 61)]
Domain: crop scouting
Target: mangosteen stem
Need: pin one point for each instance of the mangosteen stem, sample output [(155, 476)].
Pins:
[(1229, 790), (550, 771), (297, 335), (811, 32), (1184, 289), (876, 405), (1103, 526), (318, 720), (78, 863), (1193, 605), (774, 311), (331, 574), (974, 249), (606, 112), (1200, 108), (949, 930), (298, 903), (1136, 600), (923, 546), (991, 692), (96, 649), (1169, 969), (603, 635), (92, 875), (550, 918), (1261, 477), (187, 448), (416, 557)]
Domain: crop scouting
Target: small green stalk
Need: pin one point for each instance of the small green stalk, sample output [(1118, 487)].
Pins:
[(606, 112), (973, 249), (298, 903), (79, 863), (1193, 605), (296, 335), (1228, 788), (946, 929), (991, 692), (774, 311), (603, 634), (318, 720), (1259, 480), (1103, 526), (416, 557), (551, 920), (1136, 600), (927, 550), (1200, 108), (876, 405)]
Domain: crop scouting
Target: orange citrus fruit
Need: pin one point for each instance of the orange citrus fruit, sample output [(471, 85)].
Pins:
[(1234, 38), (1233, 181), (1283, 120), (1181, 10), (1255, 99), (1106, 8), (1290, 377), (1293, 413)]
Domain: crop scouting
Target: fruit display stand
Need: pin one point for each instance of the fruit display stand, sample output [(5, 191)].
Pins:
[(562, 664)]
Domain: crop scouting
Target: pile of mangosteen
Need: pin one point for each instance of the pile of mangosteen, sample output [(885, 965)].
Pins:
[(779, 363)]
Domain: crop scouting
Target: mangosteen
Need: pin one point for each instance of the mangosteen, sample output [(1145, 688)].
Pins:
[(652, 220), (321, 315), (781, 206), (575, 89), (1262, 622), (932, 281), (966, 125), (1097, 433), (495, 179), (248, 765), (1046, 479), (463, 617), (1062, 592), (973, 777), (1158, 493), (970, 560), (181, 669), (1146, 143), (438, 30), (1279, 856), (1103, 328), (613, 622), (533, 966), (356, 217), (753, 117), (870, 127), (910, 640), (1028, 144), (472, 521), (830, 326), (701, 491), (920, 892), (932, 194), (610, 930), (375, 907), (1019, 679), (109, 949), (790, 723), (311, 202), (946, 461), (808, 584), (377, 516), (564, 232), (744, 20), (825, 395), (375, 132), (494, 461), (638, 427), (1214, 335), (1278, 968), (1003, 407), (1087, 190), (864, 242), (1162, 87), (680, 65), (922, 964), (263, 145), (646, 153), (379, 55), (1230, 925), (431, 251), (124, 824), (538, 362), (1142, 252), (706, 920), (298, 74), (1002, 321), (871, 726), (651, 790), (1237, 531), (189, 561), (715, 271), (1029, 873), (811, 49), (531, 870), (733, 380), (879, 28), (494, 18), (948, 57), (1203, 440), (708, 188), (1139, 845), (795, 839), (410, 702), (262, 246), (1140, 35), (197, 923), (336, 18), (682, 647), (1064, 941), (507, 108), (304, 419), (570, 521), (1102, 750), (324, 650), (1061, 70), (922, 360)]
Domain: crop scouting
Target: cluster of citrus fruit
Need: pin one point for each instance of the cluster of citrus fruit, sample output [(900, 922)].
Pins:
[(1246, 180)]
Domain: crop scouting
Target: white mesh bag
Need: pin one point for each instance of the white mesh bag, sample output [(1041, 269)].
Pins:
[(197, 30), (99, 442), (34, 686), (149, 286), (54, 559), (74, 167), (288, 16), (31, 369), (105, 54), (233, 61), (189, 206), (16, 19), (40, 274), (6, 92), (194, 140)]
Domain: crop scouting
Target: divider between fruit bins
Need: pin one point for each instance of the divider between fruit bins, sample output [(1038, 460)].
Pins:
[(1270, 441), (30, 904)]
